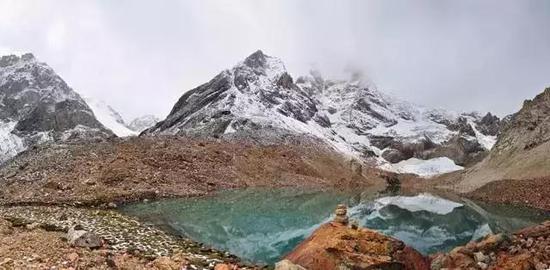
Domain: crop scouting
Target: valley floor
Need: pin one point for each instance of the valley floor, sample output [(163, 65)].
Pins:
[(134, 169)]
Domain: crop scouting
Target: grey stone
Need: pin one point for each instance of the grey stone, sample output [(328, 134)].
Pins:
[(83, 238)]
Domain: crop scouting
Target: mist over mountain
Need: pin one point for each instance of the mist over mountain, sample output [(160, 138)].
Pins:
[(258, 99)]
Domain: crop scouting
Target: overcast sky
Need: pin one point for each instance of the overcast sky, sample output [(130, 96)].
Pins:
[(140, 56)]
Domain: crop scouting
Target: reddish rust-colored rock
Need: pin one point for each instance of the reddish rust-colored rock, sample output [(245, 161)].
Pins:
[(334, 245), (541, 230)]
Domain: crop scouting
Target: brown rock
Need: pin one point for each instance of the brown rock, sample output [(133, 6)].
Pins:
[(287, 265), (491, 242), (462, 261), (334, 245), (73, 257), (223, 266), (522, 261), (541, 230), (165, 263), (5, 227)]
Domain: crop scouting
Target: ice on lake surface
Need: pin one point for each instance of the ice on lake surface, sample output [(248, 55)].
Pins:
[(262, 225)]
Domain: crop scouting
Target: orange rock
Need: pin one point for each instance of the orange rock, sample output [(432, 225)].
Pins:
[(165, 263), (334, 245), (223, 266), (541, 230), (73, 257), (491, 242), (522, 261)]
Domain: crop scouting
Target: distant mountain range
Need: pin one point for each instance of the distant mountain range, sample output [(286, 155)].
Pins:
[(259, 100), (112, 119), (37, 106), (521, 152)]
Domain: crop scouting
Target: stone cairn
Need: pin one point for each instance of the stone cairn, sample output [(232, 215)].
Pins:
[(341, 214)]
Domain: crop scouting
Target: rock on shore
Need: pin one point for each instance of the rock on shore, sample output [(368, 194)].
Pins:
[(335, 245)]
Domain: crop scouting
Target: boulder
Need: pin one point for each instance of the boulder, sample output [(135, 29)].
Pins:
[(78, 237), (393, 155), (165, 263), (335, 245), (5, 227), (287, 265), (225, 266)]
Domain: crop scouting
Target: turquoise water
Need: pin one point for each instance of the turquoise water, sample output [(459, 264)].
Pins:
[(261, 225)]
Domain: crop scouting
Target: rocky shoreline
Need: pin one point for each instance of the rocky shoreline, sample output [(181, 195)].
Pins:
[(125, 240), (341, 244)]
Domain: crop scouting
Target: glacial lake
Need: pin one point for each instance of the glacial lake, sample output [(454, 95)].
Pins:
[(262, 225)]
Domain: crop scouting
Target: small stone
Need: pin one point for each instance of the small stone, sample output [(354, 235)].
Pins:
[(5, 227), (112, 205), (341, 212), (73, 257), (90, 182), (288, 265), (82, 238), (541, 266), (165, 263), (32, 226), (6, 261), (341, 215), (354, 224), (480, 257), (482, 265), (529, 242), (221, 266)]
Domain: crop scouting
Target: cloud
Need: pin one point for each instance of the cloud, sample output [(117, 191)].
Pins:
[(140, 56)]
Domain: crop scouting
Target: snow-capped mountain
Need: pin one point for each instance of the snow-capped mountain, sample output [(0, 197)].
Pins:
[(36, 106), (258, 96), (142, 123), (110, 118)]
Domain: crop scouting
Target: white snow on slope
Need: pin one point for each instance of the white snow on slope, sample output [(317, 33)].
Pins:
[(425, 168), (420, 202), (142, 123), (10, 144), (486, 141), (111, 119)]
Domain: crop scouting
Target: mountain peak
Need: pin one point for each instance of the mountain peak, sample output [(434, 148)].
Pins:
[(257, 59), (12, 59)]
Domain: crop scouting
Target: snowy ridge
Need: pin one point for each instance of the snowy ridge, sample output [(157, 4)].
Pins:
[(110, 118), (351, 116), (142, 123), (37, 106)]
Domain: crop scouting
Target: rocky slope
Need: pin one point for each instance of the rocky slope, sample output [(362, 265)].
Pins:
[(521, 152), (135, 168), (37, 106), (258, 99), (142, 123)]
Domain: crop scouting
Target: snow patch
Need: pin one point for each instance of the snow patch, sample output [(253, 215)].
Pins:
[(485, 140), (111, 119), (10, 144), (420, 202), (425, 168)]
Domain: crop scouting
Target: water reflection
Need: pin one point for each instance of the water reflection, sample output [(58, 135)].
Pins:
[(261, 225)]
